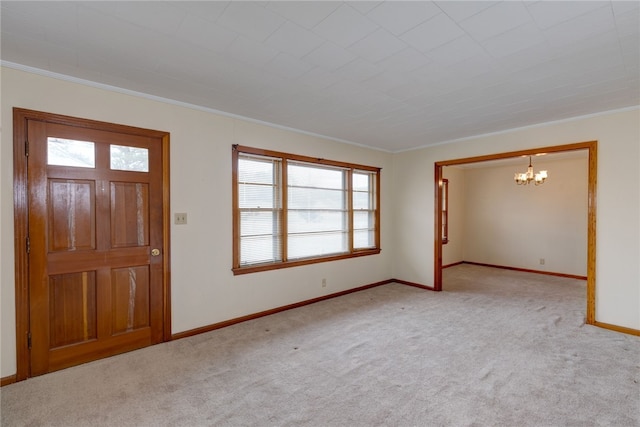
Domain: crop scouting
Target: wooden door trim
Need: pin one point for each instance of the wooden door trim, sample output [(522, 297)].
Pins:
[(21, 118), (21, 229), (592, 146)]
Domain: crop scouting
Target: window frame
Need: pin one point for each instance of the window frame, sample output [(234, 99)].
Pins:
[(445, 211), (237, 268)]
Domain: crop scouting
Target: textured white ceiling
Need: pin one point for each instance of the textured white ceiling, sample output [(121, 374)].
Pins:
[(392, 75)]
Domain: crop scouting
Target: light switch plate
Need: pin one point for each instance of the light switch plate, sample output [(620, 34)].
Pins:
[(180, 218)]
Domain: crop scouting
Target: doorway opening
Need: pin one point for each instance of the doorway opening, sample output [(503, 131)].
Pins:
[(591, 146)]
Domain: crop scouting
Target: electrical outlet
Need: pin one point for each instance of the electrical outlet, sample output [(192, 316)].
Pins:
[(324, 283), (180, 218), (541, 261)]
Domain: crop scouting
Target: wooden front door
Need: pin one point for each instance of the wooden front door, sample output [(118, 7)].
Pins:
[(96, 242)]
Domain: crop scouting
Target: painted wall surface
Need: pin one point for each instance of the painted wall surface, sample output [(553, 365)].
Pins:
[(203, 288), (515, 226), (204, 291), (617, 201), (452, 252)]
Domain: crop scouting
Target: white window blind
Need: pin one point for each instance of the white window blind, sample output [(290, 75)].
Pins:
[(364, 209), (293, 210), (317, 211), (260, 206)]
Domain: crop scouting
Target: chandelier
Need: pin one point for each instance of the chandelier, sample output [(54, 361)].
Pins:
[(525, 178)]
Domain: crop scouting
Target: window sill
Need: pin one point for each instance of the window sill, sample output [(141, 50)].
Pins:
[(297, 263)]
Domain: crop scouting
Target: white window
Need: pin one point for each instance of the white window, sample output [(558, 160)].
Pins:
[(260, 209)]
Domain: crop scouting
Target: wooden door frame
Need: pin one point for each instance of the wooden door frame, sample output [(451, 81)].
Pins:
[(592, 146), (21, 224)]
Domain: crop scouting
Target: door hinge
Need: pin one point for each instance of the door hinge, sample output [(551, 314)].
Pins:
[(28, 242), (26, 148), (29, 340)]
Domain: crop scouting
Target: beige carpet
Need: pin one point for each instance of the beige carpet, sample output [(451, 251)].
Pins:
[(497, 348)]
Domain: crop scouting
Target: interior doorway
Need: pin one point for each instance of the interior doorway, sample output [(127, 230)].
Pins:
[(91, 200), (591, 146)]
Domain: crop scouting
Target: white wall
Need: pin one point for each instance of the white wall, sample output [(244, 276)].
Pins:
[(452, 252), (618, 203), (515, 226), (204, 291), (203, 288)]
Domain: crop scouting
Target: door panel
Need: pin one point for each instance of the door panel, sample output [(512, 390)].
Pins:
[(72, 308), (129, 214), (71, 215), (95, 214), (130, 290)]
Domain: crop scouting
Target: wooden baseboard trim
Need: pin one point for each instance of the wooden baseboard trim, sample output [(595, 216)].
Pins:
[(415, 285), (241, 319), (12, 378), (7, 380), (617, 328), (452, 265), (526, 270)]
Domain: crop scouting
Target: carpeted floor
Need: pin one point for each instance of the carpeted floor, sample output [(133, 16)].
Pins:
[(496, 348)]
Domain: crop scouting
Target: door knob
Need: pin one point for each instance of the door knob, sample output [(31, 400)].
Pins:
[(155, 252)]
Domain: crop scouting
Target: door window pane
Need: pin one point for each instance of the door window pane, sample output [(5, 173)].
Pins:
[(70, 152), (125, 158)]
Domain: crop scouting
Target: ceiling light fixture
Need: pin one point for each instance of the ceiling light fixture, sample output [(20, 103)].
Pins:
[(525, 178)]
